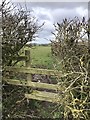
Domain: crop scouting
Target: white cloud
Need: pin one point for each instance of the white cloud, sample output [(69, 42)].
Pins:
[(39, 11), (48, 24), (44, 15), (60, 14), (82, 12)]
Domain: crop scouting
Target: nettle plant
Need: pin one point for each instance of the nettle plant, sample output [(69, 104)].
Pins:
[(73, 54)]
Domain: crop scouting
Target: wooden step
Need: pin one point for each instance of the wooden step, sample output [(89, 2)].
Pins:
[(44, 96), (32, 84)]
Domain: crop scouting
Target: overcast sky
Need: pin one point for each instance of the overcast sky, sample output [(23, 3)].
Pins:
[(52, 12)]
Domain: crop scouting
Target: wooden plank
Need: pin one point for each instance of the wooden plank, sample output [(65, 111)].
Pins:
[(20, 58), (31, 84), (43, 96), (35, 71)]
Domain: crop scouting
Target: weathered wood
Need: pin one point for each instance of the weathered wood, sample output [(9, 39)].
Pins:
[(31, 84), (43, 96), (28, 60), (35, 71), (20, 58), (28, 64), (38, 95)]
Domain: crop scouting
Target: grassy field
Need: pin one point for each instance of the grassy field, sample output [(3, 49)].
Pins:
[(41, 57)]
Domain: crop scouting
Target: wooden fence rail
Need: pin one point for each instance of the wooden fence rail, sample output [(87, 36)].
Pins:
[(44, 96), (32, 84), (34, 71)]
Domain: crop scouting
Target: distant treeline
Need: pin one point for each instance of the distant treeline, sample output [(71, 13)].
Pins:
[(35, 44)]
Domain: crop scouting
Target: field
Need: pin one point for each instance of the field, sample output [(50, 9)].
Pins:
[(41, 57)]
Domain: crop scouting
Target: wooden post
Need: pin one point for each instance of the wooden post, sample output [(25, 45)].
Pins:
[(28, 64)]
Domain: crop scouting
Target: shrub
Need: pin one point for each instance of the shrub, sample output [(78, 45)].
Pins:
[(75, 59)]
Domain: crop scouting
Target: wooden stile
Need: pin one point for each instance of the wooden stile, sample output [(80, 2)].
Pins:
[(35, 94)]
